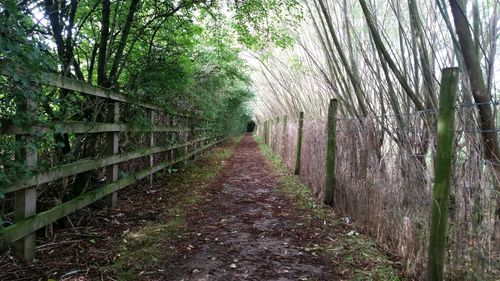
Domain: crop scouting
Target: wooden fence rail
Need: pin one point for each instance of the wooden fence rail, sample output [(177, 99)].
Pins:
[(188, 142), (85, 128)]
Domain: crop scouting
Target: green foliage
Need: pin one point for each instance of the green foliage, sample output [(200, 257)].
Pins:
[(10, 170), (16, 44), (182, 55), (260, 22), (26, 56), (200, 73)]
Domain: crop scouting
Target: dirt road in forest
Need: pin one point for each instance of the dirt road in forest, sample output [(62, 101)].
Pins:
[(220, 218), (246, 230)]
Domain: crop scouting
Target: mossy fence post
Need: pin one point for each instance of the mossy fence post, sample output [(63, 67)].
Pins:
[(151, 144), (112, 148), (441, 191), (275, 140), (25, 204), (330, 153), (262, 131), (298, 149), (185, 138), (266, 132), (270, 133), (284, 143), (173, 139)]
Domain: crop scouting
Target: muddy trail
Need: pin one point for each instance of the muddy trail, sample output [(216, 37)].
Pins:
[(246, 230)]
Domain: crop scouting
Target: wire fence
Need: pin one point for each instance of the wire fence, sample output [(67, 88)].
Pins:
[(422, 112), (384, 179)]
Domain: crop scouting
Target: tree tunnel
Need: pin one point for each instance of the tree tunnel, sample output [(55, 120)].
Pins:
[(250, 126)]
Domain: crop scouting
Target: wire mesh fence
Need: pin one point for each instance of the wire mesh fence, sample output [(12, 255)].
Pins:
[(384, 179)]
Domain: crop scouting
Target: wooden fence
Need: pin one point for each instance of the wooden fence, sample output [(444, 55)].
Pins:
[(189, 141)]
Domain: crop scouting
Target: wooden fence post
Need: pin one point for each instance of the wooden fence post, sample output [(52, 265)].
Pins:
[(271, 142), (298, 149), (284, 137), (194, 136), (269, 129), (151, 144), (185, 139), (330, 153), (268, 132), (172, 141), (265, 131), (271, 134), (25, 204), (275, 139), (113, 148), (443, 162)]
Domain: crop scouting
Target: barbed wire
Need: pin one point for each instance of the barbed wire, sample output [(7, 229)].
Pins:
[(416, 130), (456, 156), (420, 112), (389, 115), (414, 113), (495, 102)]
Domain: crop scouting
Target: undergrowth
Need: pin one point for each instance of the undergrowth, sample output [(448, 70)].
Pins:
[(356, 256), (140, 249)]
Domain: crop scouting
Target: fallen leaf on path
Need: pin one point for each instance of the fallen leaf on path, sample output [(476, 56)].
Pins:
[(352, 232)]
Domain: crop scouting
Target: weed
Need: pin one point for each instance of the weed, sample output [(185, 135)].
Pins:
[(291, 185), (358, 256)]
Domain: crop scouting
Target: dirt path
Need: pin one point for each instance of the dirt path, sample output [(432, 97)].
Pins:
[(226, 216), (245, 230)]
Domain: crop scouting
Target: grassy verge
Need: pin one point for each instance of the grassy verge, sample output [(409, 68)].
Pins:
[(140, 252), (356, 257)]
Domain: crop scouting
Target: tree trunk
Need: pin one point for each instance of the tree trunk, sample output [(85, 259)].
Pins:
[(482, 98), (103, 44)]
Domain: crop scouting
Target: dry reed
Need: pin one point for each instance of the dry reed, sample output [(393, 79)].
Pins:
[(384, 183)]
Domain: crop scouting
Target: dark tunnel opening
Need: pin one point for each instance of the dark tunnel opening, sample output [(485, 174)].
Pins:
[(250, 127)]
